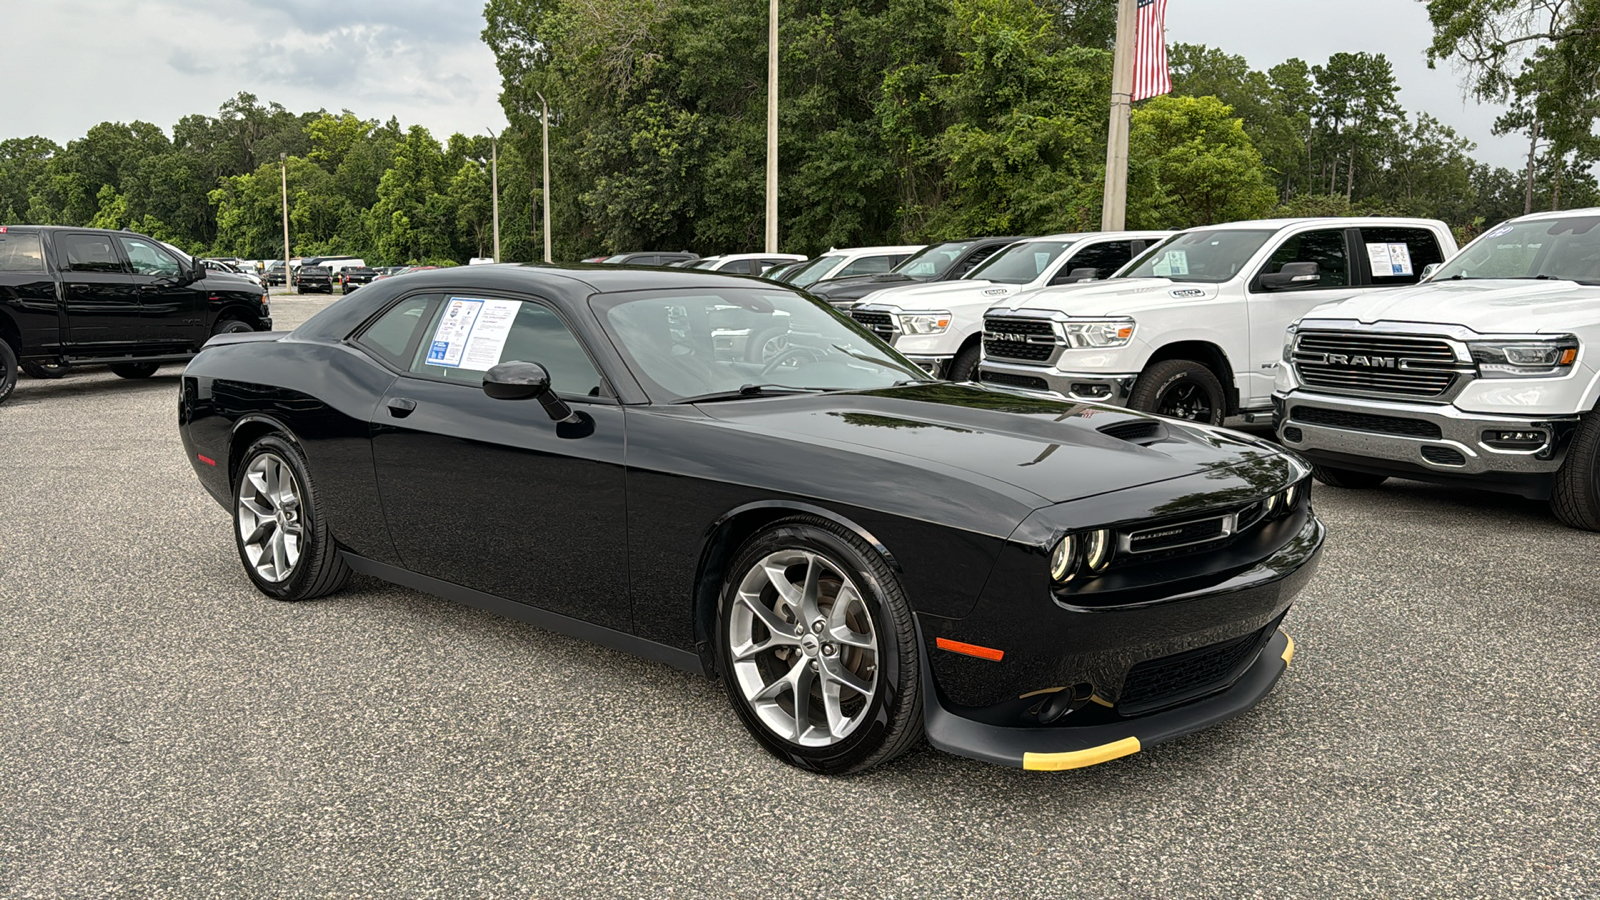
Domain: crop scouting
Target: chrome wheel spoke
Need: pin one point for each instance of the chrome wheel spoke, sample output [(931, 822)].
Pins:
[(838, 624), (837, 673), (271, 532)]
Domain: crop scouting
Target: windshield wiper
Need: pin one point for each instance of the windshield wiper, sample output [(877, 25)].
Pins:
[(747, 391)]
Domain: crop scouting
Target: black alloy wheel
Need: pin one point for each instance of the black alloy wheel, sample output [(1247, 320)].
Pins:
[(46, 370), (1347, 478), (1576, 497), (135, 370), (8, 371), (965, 366), (817, 647), (1181, 389), (278, 528), (230, 326)]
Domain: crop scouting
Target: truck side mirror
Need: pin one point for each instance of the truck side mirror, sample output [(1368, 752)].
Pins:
[(518, 380), (1292, 275), (1429, 269)]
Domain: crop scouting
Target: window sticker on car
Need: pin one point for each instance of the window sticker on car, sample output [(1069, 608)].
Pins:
[(472, 333), (1176, 262), (1389, 260)]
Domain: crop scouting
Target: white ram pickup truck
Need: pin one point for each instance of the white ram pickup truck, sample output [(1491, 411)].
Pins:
[(940, 325), (1483, 375), (1193, 329)]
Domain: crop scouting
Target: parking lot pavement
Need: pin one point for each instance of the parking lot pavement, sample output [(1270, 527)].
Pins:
[(166, 731)]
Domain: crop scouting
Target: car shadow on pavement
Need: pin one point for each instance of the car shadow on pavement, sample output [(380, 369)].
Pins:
[(91, 382)]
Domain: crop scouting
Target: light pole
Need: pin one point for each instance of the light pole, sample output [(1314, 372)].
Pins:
[(772, 126), (544, 122), (283, 161), (494, 182)]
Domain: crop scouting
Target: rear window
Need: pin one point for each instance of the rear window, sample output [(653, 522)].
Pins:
[(21, 253), (1398, 255), (90, 253)]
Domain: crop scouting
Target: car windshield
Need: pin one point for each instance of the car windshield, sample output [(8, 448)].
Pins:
[(1565, 249), (709, 341), (1205, 257), (812, 272), (1020, 263), (933, 261)]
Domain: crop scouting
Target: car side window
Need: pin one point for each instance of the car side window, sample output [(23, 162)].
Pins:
[(1396, 256), (393, 336), (90, 253), (867, 265), (148, 259), (1325, 248), (1103, 258), (467, 336), (21, 253)]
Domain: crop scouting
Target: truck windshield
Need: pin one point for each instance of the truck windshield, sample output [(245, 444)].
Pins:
[(812, 272), (1207, 257), (1564, 249), (1020, 263), (933, 261)]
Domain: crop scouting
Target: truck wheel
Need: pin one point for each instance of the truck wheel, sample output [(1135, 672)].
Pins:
[(965, 366), (1576, 498), (135, 370), (1181, 389), (46, 370), (8, 371), (231, 326), (1347, 479)]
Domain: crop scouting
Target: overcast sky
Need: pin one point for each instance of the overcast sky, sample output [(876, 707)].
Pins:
[(90, 61)]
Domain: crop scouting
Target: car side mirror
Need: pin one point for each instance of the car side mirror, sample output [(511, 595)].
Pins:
[(1429, 269), (1292, 275), (1087, 273), (518, 380)]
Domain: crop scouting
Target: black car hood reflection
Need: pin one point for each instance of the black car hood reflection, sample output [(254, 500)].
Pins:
[(1056, 450)]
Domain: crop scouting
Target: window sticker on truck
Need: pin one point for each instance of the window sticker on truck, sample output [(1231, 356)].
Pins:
[(1176, 262), (1389, 260)]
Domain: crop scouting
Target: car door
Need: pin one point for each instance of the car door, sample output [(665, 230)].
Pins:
[(491, 494), (101, 302), (1270, 312), (171, 309)]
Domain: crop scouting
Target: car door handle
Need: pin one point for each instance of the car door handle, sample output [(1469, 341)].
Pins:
[(400, 407)]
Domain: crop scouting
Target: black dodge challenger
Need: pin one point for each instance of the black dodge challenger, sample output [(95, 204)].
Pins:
[(725, 475)]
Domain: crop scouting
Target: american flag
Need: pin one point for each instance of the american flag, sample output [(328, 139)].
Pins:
[(1150, 75)]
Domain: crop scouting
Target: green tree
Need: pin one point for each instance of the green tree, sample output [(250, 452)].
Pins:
[(1196, 166)]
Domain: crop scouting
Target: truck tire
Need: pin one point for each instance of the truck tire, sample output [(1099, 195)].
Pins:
[(965, 366), (46, 370), (1576, 497), (135, 370), (230, 326), (1347, 479), (1181, 389), (8, 371)]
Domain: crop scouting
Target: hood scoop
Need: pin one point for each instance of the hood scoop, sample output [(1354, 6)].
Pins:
[(1143, 432)]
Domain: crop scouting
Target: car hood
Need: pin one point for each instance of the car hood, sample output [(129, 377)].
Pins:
[(944, 294), (1115, 296), (861, 285), (1053, 450), (1488, 306)]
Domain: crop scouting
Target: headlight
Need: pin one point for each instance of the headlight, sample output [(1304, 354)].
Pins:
[(1090, 550), (925, 323), (1064, 561), (1097, 550), (1288, 344), (1083, 334), (1525, 359)]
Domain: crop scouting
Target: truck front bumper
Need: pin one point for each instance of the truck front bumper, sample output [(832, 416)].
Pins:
[(1424, 437), (1096, 387)]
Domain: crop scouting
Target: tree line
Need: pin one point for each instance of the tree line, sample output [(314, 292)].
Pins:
[(900, 120)]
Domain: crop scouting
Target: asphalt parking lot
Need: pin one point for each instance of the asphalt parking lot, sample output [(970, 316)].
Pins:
[(166, 731)]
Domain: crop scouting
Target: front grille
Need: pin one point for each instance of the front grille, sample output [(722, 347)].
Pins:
[(1183, 676), (1180, 535), (1443, 456), (879, 323), (1027, 340), (1357, 362), (1350, 421), (1021, 381)]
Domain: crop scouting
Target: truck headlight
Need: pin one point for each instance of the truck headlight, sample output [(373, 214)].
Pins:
[(1288, 343), (1094, 333), (1525, 359), (925, 322)]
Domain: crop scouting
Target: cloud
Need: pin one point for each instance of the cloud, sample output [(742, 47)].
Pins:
[(184, 60)]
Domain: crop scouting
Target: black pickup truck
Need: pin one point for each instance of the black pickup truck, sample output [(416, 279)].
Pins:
[(74, 297)]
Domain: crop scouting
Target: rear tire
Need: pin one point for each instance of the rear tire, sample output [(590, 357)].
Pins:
[(1576, 498), (1346, 478), (46, 371), (965, 366), (135, 370), (809, 610), (8, 371), (278, 529)]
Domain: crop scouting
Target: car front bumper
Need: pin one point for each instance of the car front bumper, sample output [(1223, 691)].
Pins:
[(1096, 387), (1440, 439)]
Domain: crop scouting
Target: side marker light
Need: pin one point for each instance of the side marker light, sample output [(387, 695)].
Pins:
[(205, 459), (988, 653)]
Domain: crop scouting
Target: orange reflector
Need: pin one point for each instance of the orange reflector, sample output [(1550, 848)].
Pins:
[(1568, 355), (1125, 332), (988, 653)]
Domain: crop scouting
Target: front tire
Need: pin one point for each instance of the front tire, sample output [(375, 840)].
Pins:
[(818, 649), (1346, 478), (278, 528), (230, 326), (965, 366), (135, 370), (1576, 498), (1181, 389)]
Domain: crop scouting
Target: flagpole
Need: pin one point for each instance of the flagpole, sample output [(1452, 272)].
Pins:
[(1114, 209)]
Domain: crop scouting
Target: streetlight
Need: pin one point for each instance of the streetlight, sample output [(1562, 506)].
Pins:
[(283, 161), (494, 176), (544, 123)]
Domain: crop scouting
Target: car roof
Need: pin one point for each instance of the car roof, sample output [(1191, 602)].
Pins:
[(1348, 221), (860, 251), (1560, 214)]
